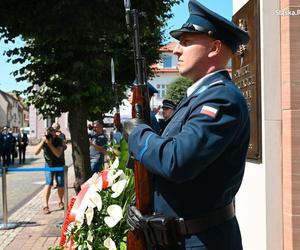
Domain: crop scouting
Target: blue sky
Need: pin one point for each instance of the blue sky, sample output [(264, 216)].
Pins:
[(223, 7)]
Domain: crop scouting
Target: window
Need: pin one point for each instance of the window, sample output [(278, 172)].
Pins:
[(162, 89), (167, 61)]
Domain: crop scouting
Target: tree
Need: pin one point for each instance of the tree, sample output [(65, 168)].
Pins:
[(177, 88), (68, 46)]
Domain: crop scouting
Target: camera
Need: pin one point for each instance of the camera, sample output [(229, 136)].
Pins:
[(48, 136)]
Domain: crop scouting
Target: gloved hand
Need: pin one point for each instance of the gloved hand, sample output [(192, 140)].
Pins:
[(134, 218), (130, 125)]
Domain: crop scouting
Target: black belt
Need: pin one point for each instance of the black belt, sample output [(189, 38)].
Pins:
[(205, 222)]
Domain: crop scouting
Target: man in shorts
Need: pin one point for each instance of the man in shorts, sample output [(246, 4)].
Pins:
[(52, 146)]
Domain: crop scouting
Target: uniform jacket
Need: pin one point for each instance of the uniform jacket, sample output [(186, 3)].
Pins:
[(8, 142), (22, 140), (198, 161)]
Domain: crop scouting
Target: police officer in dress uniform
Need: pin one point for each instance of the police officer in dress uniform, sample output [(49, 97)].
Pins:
[(198, 161), (7, 146), (22, 145), (168, 108)]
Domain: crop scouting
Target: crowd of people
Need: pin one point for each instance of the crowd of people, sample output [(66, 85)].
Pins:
[(12, 145)]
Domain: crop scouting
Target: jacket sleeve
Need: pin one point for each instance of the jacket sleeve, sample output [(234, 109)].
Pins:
[(202, 139)]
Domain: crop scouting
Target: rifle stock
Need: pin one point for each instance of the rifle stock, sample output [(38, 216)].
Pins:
[(143, 189), (117, 120)]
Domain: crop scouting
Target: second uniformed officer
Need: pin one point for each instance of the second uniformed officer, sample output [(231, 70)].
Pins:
[(198, 161)]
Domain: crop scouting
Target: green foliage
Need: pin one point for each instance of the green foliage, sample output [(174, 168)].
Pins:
[(68, 46), (177, 89)]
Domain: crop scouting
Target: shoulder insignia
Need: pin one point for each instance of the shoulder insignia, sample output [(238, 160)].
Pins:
[(209, 111)]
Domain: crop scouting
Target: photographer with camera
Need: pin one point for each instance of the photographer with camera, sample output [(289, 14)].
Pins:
[(52, 146)]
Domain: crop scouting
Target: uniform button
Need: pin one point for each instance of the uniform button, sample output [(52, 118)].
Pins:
[(179, 243)]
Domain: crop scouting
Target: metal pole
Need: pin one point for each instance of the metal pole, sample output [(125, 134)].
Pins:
[(4, 196), (5, 225), (66, 199)]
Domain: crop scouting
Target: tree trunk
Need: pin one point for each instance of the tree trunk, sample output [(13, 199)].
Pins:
[(80, 146)]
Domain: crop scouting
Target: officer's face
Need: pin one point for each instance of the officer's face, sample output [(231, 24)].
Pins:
[(193, 55)]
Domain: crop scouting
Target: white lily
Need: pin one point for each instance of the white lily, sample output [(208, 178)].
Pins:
[(89, 213), (110, 176), (114, 174), (110, 244), (95, 200), (115, 215), (118, 188), (90, 199), (115, 164)]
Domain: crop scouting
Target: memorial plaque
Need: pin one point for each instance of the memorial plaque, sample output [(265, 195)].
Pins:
[(246, 72)]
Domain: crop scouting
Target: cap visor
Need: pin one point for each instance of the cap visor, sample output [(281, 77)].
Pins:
[(178, 33)]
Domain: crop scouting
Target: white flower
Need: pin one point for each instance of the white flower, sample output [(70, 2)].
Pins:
[(91, 198), (110, 244), (89, 213), (118, 188), (110, 177), (114, 174), (115, 215), (95, 200), (115, 164)]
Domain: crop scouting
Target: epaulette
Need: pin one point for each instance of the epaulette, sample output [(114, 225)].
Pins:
[(205, 87), (220, 82)]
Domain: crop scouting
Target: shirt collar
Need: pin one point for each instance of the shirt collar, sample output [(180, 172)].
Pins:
[(192, 88)]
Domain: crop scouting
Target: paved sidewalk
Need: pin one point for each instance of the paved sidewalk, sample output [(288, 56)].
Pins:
[(36, 230)]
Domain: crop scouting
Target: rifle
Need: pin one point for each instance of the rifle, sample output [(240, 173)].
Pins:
[(140, 109), (117, 117)]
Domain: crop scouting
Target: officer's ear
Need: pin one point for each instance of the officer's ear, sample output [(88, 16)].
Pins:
[(215, 49)]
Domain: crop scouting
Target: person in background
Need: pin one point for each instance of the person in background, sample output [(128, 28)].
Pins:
[(13, 147), (22, 141), (117, 133), (52, 145), (198, 161), (98, 145), (7, 146), (61, 135), (168, 108)]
